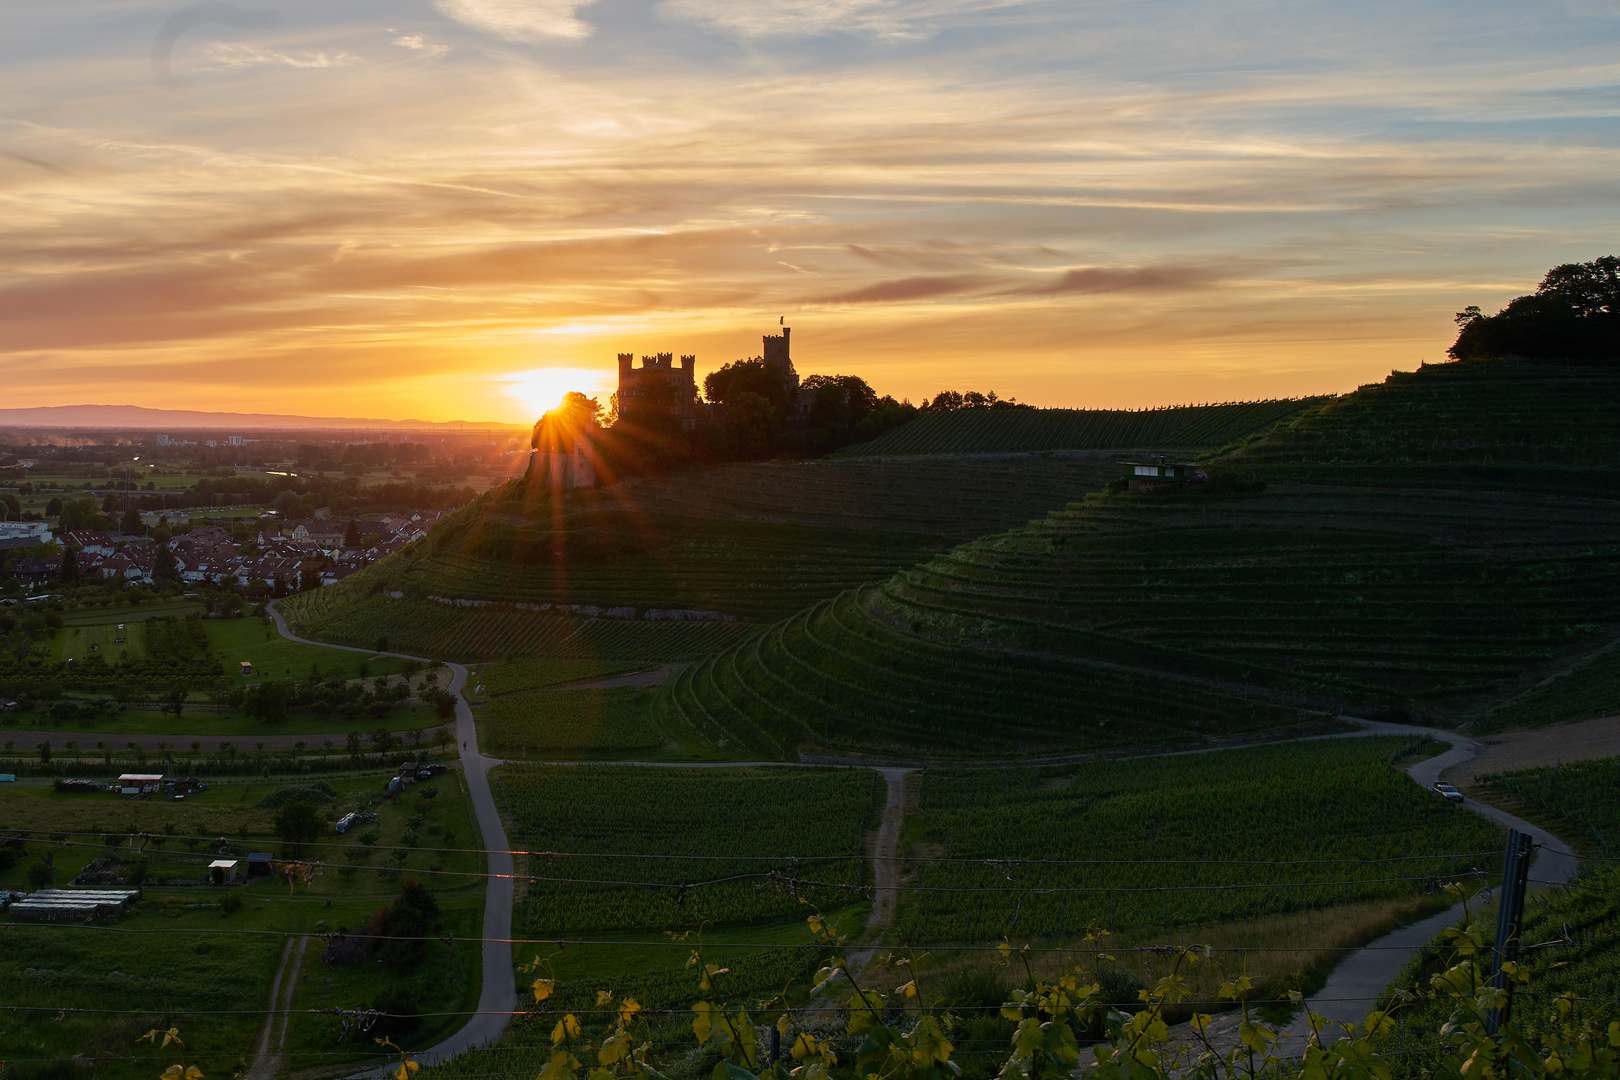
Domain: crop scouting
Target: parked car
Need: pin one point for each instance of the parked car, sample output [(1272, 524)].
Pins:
[(1449, 792)]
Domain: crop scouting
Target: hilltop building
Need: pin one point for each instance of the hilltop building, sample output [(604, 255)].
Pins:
[(777, 355), (658, 387)]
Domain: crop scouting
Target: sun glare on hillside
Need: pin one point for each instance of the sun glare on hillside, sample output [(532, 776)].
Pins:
[(542, 389)]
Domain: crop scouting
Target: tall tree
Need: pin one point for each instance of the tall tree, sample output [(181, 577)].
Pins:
[(70, 567), (165, 570), (351, 535)]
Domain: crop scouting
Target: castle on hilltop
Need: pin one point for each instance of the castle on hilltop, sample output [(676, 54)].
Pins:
[(659, 388), (776, 354)]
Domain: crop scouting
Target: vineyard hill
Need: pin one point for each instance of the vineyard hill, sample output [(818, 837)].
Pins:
[(1185, 428)]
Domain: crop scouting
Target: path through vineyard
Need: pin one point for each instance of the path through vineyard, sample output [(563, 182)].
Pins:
[(1352, 990), (497, 997), (1346, 997)]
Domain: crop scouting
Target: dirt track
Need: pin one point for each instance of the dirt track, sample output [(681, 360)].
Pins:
[(1540, 746)]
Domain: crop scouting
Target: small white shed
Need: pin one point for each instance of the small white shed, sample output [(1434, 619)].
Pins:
[(140, 783), (224, 870)]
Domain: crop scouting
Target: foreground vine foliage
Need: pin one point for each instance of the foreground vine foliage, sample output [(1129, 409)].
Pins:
[(906, 1039)]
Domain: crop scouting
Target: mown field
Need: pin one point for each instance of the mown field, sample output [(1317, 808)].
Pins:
[(201, 961), (1187, 428), (1307, 822)]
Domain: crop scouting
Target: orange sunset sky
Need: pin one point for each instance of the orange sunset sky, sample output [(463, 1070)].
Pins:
[(456, 209)]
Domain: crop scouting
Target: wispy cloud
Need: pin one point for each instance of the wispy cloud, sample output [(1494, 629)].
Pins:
[(1094, 202), (520, 20), (812, 18)]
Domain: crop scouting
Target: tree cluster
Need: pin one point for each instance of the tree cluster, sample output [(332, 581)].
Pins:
[(1574, 314), (273, 700), (757, 417), (952, 400)]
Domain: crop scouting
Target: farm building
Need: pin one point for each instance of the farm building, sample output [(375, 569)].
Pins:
[(259, 863), (183, 785), (247, 669), (140, 783), (223, 871), (1147, 475), (74, 903)]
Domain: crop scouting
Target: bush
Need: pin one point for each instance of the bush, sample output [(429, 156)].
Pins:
[(230, 903)]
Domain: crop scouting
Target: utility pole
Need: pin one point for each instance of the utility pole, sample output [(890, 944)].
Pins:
[(1509, 920)]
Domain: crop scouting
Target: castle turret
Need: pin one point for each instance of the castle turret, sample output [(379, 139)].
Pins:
[(776, 353)]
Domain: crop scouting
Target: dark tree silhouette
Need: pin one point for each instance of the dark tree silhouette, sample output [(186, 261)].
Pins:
[(1574, 314)]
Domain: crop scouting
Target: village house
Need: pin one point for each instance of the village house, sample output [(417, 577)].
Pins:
[(88, 540)]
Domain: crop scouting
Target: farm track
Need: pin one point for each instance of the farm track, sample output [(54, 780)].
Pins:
[(497, 998), (1346, 997), (267, 1062)]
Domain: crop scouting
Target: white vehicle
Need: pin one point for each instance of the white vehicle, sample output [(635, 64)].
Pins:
[(1449, 792)]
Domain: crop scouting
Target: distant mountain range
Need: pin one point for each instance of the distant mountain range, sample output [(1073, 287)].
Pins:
[(139, 417)]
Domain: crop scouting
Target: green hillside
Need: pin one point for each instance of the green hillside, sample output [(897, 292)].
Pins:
[(1019, 431), (1170, 617), (1479, 424), (747, 541), (1140, 620)]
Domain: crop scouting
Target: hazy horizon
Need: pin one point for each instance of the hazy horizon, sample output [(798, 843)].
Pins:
[(459, 208)]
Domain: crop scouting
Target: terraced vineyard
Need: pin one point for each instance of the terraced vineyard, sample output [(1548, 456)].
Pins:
[(1010, 431), (1494, 424), (1230, 835), (1147, 619), (1586, 692), (752, 541), (1580, 792), (1143, 620), (631, 821)]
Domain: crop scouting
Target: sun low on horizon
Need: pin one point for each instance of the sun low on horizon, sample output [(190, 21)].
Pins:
[(412, 210), (539, 390)]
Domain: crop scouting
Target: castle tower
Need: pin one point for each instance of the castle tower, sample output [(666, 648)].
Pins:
[(776, 353)]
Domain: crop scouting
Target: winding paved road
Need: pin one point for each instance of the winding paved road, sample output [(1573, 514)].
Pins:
[(497, 999), (1353, 988)]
